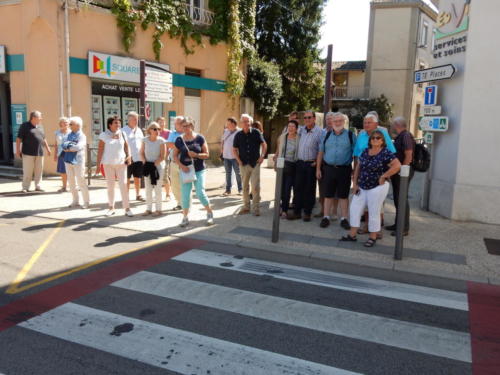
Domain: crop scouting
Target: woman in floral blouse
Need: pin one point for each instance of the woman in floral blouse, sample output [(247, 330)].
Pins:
[(370, 186)]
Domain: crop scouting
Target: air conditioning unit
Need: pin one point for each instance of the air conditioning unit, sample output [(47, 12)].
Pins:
[(247, 105)]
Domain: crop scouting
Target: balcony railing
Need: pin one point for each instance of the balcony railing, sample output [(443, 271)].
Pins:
[(200, 16), (351, 92)]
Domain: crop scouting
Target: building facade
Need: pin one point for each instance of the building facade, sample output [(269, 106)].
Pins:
[(399, 42), (465, 173), (72, 62)]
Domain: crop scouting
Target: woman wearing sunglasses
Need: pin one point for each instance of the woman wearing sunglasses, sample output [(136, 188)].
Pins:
[(370, 186), (152, 154)]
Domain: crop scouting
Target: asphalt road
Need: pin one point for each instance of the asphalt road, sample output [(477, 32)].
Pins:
[(187, 307)]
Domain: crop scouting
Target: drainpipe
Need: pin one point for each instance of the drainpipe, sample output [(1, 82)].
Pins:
[(66, 56)]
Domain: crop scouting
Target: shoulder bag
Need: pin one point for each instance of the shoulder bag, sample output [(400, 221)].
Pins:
[(190, 175)]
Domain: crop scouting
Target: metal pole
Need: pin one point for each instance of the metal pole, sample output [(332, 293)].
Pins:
[(280, 164), (66, 57), (142, 99), (401, 211), (328, 84), (426, 196), (89, 165)]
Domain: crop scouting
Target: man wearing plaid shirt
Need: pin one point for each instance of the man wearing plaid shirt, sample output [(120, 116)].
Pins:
[(305, 177)]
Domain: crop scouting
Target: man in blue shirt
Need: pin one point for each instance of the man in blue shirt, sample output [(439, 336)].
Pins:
[(370, 123), (334, 168), (174, 168)]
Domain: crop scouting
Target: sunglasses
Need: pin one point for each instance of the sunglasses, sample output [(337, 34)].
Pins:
[(156, 129), (307, 117), (377, 138)]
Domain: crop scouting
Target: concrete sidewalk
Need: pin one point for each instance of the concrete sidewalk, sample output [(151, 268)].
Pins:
[(436, 246)]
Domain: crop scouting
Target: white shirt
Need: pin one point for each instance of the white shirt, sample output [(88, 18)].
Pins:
[(134, 139), (114, 152), (227, 143)]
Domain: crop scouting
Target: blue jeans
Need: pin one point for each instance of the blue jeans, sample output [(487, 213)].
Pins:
[(199, 186), (229, 165)]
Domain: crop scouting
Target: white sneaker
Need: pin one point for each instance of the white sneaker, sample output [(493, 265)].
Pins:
[(111, 212), (73, 205), (210, 218), (129, 213), (85, 205), (184, 222)]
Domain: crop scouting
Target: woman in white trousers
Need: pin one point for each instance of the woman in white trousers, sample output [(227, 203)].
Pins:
[(153, 157), (114, 154), (74, 161), (370, 185)]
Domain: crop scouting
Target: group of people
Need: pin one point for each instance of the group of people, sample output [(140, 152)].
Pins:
[(160, 156), (342, 162), (334, 157)]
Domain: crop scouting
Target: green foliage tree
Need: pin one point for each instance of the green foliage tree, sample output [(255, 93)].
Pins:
[(264, 85), (361, 107), (287, 33)]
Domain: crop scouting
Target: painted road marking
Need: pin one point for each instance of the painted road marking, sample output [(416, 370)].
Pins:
[(165, 347), (17, 289), (484, 316), (416, 337), (381, 288), (27, 307), (13, 287)]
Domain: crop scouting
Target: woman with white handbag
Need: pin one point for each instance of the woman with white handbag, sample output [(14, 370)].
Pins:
[(190, 153)]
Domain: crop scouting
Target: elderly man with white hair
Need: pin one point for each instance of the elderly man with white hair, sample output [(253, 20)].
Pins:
[(249, 149), (74, 159), (134, 136), (334, 167), (371, 123)]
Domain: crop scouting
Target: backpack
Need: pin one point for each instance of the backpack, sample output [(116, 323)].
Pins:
[(421, 158), (330, 132)]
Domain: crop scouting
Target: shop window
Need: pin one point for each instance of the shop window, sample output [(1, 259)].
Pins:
[(192, 72)]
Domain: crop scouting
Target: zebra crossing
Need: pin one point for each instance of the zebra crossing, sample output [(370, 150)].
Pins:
[(205, 312)]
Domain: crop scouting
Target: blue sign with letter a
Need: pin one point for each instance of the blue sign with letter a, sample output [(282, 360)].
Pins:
[(430, 97)]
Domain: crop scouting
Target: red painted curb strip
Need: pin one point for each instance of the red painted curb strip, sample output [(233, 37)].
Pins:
[(484, 317), (36, 304)]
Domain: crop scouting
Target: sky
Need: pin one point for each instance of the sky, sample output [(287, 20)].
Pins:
[(346, 27)]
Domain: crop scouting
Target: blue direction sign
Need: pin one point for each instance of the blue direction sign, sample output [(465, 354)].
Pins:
[(434, 124), (430, 97), (435, 74)]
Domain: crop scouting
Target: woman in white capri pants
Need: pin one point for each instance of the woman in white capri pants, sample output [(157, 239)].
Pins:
[(370, 185), (74, 161), (153, 156), (114, 153)]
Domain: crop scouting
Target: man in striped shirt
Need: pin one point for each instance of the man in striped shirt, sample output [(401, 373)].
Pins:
[(305, 177)]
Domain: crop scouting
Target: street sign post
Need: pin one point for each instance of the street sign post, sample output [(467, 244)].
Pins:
[(430, 97), (435, 74), (158, 86), (430, 110), (434, 124), (429, 138)]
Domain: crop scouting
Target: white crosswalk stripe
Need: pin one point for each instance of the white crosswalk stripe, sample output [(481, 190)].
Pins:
[(156, 343), (412, 293), (416, 337), (179, 351)]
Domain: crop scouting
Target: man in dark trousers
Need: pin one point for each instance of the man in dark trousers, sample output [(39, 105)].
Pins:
[(304, 194), (405, 148), (29, 146)]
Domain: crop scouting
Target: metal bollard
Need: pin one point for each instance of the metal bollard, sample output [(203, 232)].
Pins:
[(280, 164), (400, 223), (89, 165)]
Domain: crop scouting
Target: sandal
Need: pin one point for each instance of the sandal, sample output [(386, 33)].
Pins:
[(379, 235), (362, 231), (348, 238), (370, 243)]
